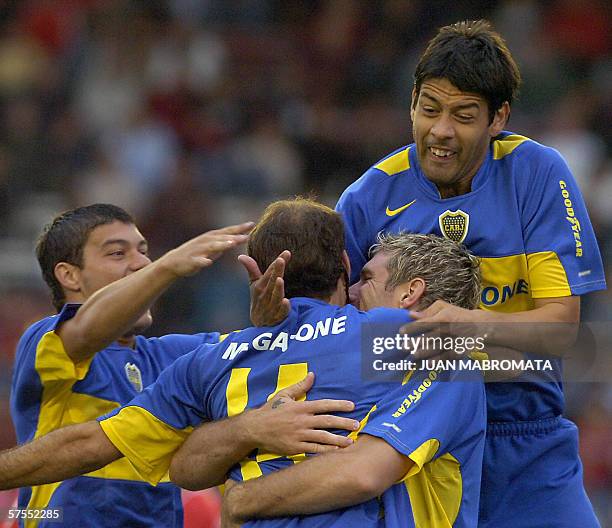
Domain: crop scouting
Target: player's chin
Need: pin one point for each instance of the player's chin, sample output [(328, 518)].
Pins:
[(145, 321)]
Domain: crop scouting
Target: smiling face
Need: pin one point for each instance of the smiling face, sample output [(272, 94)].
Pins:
[(371, 292), (112, 251), (452, 131)]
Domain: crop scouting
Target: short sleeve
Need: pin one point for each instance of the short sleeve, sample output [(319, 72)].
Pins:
[(52, 363), (150, 428), (428, 415), (562, 253)]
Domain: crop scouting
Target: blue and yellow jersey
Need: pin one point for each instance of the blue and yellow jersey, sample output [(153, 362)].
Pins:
[(438, 420), (525, 218), (50, 391), (249, 367)]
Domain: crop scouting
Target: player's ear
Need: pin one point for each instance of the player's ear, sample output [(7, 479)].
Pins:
[(346, 262), (500, 118), (413, 102), (68, 275), (411, 293)]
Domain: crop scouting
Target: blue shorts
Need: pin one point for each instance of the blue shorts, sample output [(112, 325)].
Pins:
[(532, 477)]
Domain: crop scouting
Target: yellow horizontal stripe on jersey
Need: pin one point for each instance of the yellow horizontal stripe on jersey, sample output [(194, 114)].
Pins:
[(393, 164), (436, 492), (146, 441), (505, 284), (121, 470), (503, 147), (548, 278)]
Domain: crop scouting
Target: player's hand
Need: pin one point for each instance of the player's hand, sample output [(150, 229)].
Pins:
[(441, 321), (201, 251), (268, 303), (285, 426), (228, 505)]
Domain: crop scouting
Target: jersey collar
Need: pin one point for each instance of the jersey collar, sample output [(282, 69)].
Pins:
[(430, 188)]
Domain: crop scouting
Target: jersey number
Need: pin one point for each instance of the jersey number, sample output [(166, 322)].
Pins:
[(237, 395)]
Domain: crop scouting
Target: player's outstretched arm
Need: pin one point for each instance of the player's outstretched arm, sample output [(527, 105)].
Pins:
[(113, 310), (57, 456), (283, 426), (343, 478), (269, 306)]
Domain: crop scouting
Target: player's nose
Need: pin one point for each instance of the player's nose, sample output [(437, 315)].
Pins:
[(354, 291), (443, 127), (139, 261)]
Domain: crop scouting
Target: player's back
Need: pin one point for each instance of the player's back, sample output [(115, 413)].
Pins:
[(316, 337)]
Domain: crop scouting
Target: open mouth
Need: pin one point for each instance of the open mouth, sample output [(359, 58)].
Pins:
[(441, 153)]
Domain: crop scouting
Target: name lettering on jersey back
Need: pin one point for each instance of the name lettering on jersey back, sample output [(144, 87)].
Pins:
[(571, 217), (280, 341)]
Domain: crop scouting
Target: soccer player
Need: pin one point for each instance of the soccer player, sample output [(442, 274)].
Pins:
[(433, 440), (90, 359), (513, 202)]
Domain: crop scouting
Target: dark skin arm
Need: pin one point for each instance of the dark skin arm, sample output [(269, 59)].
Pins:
[(282, 426), (549, 329), (343, 478), (59, 455), (112, 311)]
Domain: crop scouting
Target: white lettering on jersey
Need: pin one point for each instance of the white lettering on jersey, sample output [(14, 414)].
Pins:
[(306, 332)]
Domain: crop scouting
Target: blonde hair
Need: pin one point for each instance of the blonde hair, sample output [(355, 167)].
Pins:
[(451, 273)]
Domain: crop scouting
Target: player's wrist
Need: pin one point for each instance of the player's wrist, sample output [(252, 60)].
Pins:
[(166, 268), (248, 433)]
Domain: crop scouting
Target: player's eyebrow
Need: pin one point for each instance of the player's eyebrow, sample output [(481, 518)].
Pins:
[(460, 106), (122, 242)]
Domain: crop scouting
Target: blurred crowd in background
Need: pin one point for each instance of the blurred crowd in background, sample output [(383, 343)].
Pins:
[(193, 114)]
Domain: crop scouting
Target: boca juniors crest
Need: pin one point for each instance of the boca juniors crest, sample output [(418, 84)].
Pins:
[(134, 376), (454, 224)]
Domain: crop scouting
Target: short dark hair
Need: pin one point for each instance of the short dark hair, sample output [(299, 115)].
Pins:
[(474, 58), (64, 238), (313, 233)]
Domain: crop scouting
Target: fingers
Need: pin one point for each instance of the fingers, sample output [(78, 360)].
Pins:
[(298, 389), (327, 438), (430, 311), (275, 270), (250, 266), (237, 229), (328, 406), (229, 484), (213, 249), (328, 421), (317, 449)]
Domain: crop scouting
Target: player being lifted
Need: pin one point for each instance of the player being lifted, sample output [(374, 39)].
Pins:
[(513, 202)]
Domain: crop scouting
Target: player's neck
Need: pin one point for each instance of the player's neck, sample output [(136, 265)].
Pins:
[(128, 341), (456, 189), (339, 297)]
